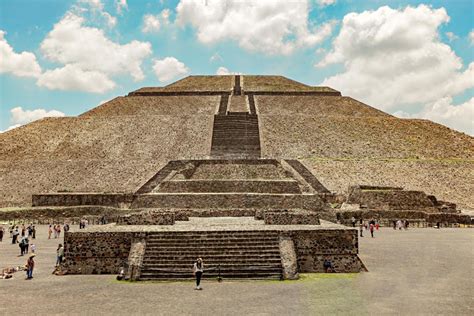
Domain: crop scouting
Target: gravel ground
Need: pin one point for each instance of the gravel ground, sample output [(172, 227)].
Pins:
[(414, 272)]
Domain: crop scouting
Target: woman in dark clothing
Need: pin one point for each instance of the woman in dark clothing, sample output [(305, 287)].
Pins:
[(198, 270)]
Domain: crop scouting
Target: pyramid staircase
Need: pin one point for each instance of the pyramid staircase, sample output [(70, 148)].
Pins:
[(226, 254)]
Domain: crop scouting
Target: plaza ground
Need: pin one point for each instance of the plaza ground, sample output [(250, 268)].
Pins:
[(415, 272)]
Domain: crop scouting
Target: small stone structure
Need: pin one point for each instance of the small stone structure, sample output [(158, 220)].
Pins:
[(148, 217)]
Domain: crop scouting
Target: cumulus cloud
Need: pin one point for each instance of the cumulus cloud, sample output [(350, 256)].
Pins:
[(151, 24), (216, 57), (222, 71), (22, 64), (20, 117), (87, 51), (471, 37), (72, 77), (169, 68), (394, 57), (460, 117), (97, 7), (268, 26)]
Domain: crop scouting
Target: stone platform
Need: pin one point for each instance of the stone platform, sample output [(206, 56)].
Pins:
[(238, 247)]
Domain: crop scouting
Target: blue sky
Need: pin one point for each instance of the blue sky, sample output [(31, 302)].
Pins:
[(408, 58)]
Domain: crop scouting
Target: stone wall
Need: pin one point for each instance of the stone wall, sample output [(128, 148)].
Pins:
[(73, 199), (387, 217), (96, 252), (290, 218), (229, 200), (340, 246), (389, 198), (149, 217)]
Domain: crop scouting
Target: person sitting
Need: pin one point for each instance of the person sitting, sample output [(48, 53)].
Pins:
[(328, 267)]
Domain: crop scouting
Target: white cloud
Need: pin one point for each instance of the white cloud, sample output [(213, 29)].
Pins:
[(97, 7), (165, 16), (169, 68), (451, 36), (268, 26), (459, 117), (20, 117), (86, 51), (72, 77), (394, 58), (151, 24), (121, 5), (222, 71), (216, 57), (23, 64), (471, 37), (325, 2)]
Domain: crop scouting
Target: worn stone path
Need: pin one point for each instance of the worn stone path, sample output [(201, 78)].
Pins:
[(414, 272)]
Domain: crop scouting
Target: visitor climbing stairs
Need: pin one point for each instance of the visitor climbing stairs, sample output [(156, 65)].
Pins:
[(226, 254)]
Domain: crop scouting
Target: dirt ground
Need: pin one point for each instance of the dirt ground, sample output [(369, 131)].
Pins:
[(414, 272)]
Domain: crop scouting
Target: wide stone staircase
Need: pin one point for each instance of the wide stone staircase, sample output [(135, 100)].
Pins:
[(235, 135), (228, 254)]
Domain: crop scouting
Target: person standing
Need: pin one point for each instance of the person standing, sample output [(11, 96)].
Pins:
[(33, 230), (198, 270), (399, 224), (50, 231), (59, 255), (2, 231), (30, 265), (361, 228), (353, 221), (15, 235)]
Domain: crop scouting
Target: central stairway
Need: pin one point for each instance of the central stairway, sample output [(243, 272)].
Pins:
[(230, 254), (235, 135)]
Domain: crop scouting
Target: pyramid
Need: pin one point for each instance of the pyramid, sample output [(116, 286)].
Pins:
[(118, 146)]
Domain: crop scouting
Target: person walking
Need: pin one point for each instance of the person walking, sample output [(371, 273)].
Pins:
[(33, 231), (198, 270), (59, 255), (30, 265), (372, 226), (21, 244), (2, 231), (50, 231), (361, 228)]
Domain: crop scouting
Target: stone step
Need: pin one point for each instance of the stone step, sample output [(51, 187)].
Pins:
[(213, 250), (158, 257), (215, 245), (183, 263), (225, 275)]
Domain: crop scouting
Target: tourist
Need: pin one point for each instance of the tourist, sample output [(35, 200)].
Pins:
[(50, 231), (377, 225), (361, 228), (33, 248), (30, 265), (399, 224), (394, 225), (2, 231), (33, 230), (198, 270), (407, 223), (353, 221), (372, 226), (58, 229), (11, 230), (66, 227), (23, 245), (15, 235), (328, 267), (59, 255)]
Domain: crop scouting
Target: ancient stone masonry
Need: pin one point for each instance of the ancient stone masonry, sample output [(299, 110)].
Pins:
[(244, 171)]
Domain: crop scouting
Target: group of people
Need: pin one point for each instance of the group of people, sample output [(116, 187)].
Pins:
[(16, 234), (372, 225), (401, 224), (56, 230)]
